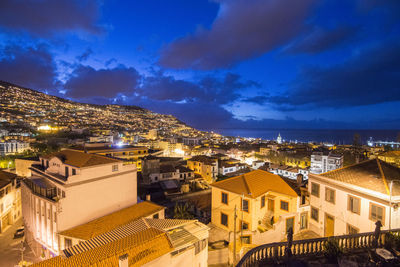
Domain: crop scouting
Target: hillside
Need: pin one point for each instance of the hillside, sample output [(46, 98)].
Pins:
[(23, 106)]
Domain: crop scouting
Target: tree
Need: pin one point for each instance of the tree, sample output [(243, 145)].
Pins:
[(182, 212)]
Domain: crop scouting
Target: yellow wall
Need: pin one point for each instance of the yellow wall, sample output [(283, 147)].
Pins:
[(200, 168), (256, 213)]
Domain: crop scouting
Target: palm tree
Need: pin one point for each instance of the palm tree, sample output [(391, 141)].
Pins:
[(182, 212)]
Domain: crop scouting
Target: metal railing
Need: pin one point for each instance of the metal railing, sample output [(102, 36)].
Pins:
[(313, 246)]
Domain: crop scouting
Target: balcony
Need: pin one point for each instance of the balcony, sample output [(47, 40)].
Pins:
[(268, 254), (41, 187)]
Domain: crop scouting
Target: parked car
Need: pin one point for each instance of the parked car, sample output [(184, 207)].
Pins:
[(19, 233)]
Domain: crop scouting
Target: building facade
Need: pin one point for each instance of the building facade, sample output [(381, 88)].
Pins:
[(352, 199), (10, 199), (324, 162), (12, 147), (206, 166), (70, 188)]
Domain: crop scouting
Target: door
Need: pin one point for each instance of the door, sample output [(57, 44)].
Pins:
[(271, 204), (290, 224), (329, 225)]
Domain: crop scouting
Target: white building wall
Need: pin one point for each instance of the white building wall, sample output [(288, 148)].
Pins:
[(341, 213)]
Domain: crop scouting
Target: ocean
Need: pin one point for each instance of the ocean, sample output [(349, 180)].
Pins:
[(330, 136)]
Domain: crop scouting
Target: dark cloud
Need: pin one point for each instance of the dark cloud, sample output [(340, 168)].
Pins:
[(86, 81), (321, 39), (371, 77), (85, 55), (260, 99), (31, 67), (243, 29), (46, 17), (208, 90)]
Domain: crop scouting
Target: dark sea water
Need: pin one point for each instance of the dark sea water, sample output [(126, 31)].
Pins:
[(331, 136)]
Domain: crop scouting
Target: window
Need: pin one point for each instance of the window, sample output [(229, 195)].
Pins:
[(155, 216), (354, 204), (224, 198), (7, 190), (262, 201), (63, 193), (1, 193), (115, 168), (73, 171), (55, 217), (303, 199), (351, 230), (245, 239), (330, 195), (314, 214), (315, 189), (284, 205), (67, 243), (376, 213), (245, 225), (224, 219), (245, 205)]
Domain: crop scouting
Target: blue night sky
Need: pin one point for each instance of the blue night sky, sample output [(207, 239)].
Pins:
[(214, 64)]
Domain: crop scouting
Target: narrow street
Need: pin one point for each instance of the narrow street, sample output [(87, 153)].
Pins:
[(10, 248)]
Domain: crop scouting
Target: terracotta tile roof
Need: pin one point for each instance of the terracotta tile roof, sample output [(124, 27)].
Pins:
[(255, 183), (6, 178), (141, 247), (372, 174), (165, 224), (204, 159), (109, 222), (124, 231), (80, 159)]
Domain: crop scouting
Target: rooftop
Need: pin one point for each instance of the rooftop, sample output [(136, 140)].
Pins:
[(255, 183), (372, 174), (141, 247), (109, 222), (6, 178), (80, 159)]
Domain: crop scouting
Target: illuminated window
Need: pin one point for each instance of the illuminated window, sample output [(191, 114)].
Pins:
[(224, 219), (314, 214), (284, 205), (376, 213), (262, 201), (245, 239), (315, 189), (224, 198), (115, 168), (353, 204), (330, 195), (245, 205)]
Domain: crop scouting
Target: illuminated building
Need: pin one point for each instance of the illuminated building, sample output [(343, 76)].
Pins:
[(324, 162), (10, 199), (70, 188), (13, 147), (266, 206), (206, 166), (353, 198)]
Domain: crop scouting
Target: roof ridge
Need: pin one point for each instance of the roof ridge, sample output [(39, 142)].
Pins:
[(246, 184), (383, 176)]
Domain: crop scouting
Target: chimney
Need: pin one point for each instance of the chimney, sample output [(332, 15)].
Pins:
[(148, 197), (299, 179), (123, 261)]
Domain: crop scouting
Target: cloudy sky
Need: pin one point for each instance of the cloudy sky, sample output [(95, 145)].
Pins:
[(214, 64)]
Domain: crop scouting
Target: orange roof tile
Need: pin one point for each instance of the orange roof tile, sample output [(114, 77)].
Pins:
[(255, 183), (80, 159), (141, 248), (111, 221)]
